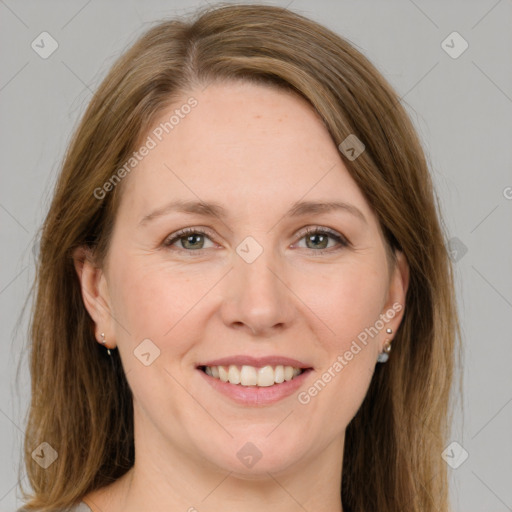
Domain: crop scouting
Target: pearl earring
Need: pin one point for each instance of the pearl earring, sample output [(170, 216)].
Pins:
[(384, 355), (103, 341)]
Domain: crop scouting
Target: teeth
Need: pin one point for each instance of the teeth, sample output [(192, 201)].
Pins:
[(223, 374), (247, 377), (233, 375), (252, 376), (266, 376)]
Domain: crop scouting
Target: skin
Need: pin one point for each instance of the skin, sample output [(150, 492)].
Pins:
[(255, 150)]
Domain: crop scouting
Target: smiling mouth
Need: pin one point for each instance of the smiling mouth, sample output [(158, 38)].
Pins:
[(245, 375)]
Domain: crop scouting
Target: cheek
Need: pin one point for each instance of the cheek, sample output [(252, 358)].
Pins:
[(151, 299), (350, 303), (152, 302), (347, 300)]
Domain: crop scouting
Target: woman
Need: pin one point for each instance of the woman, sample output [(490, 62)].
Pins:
[(243, 227)]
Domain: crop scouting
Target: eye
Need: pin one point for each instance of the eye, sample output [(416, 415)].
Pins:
[(317, 239), (191, 239)]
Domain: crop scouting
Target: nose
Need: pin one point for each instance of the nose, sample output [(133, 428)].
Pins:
[(257, 297)]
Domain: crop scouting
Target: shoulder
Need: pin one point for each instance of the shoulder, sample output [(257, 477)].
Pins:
[(80, 507)]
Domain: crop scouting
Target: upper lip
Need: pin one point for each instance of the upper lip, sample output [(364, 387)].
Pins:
[(241, 360)]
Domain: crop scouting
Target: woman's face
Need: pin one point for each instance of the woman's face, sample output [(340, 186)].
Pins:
[(246, 286)]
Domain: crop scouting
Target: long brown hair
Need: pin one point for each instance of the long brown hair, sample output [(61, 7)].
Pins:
[(81, 403)]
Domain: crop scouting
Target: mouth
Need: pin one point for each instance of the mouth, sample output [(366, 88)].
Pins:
[(253, 376)]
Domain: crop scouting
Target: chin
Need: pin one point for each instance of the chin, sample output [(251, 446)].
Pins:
[(255, 458)]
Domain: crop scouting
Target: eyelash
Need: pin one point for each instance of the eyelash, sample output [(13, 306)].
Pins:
[(169, 241)]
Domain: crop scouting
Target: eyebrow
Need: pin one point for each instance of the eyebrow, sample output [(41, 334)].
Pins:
[(215, 210)]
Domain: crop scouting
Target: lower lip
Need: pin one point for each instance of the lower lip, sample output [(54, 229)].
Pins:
[(255, 395)]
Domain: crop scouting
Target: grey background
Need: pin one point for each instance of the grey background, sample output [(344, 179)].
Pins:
[(461, 107)]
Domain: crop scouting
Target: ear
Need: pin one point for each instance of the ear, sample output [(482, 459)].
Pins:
[(398, 284), (95, 295)]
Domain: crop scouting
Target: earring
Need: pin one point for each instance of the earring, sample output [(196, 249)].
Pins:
[(384, 355), (103, 341)]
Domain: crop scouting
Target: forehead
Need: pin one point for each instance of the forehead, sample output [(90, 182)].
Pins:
[(252, 147)]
